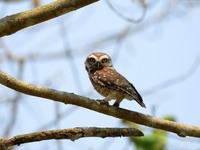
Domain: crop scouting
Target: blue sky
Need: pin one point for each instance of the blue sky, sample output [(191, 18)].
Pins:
[(148, 56)]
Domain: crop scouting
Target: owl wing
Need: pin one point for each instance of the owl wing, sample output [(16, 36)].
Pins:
[(110, 78)]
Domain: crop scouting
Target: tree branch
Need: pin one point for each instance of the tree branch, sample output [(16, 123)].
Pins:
[(16, 22), (70, 98), (72, 134)]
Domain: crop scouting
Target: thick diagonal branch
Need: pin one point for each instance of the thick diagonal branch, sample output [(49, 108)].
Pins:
[(70, 98), (16, 22), (72, 134)]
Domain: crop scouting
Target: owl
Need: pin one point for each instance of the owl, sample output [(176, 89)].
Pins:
[(108, 82)]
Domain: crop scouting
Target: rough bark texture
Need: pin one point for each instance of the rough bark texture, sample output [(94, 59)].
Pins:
[(72, 134), (70, 98), (16, 22)]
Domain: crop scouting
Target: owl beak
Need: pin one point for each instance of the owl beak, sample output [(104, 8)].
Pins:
[(99, 65)]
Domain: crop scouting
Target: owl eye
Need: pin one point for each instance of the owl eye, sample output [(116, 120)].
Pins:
[(92, 60), (104, 60)]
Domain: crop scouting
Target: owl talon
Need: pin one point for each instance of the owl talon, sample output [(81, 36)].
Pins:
[(116, 104)]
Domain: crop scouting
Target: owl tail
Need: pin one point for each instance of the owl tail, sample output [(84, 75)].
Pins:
[(140, 101), (137, 96)]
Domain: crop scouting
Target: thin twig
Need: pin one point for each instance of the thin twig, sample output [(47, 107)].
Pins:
[(174, 80), (55, 121), (132, 20), (15, 103)]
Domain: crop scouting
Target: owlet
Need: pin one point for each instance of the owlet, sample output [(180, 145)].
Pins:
[(108, 82)]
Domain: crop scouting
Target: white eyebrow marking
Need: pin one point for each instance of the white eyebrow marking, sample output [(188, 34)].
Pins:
[(93, 56), (104, 56)]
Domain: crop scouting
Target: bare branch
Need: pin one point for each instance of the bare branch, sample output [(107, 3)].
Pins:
[(16, 22), (72, 134), (70, 98), (132, 20), (15, 102), (55, 121), (174, 80)]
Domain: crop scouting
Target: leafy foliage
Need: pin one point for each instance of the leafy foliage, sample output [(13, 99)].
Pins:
[(156, 140)]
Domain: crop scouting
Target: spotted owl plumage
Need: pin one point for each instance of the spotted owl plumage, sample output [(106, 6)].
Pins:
[(108, 82)]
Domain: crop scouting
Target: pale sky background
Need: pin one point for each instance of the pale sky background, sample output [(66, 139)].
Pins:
[(160, 52)]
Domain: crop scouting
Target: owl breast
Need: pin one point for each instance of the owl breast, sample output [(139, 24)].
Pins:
[(106, 82), (103, 90)]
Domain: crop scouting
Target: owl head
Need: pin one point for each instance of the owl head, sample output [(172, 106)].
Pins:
[(97, 61)]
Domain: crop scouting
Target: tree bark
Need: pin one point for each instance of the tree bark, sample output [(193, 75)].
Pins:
[(70, 98), (16, 22), (72, 134)]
